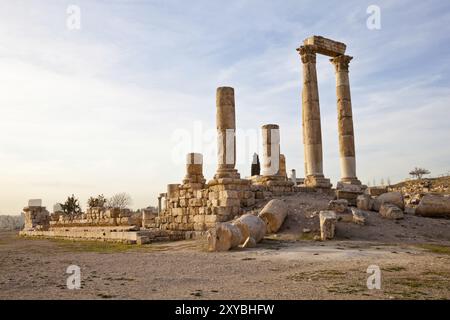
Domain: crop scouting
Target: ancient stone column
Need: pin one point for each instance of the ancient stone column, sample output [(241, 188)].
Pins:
[(312, 132), (226, 133), (345, 120), (293, 177), (271, 150), (159, 204), (282, 172), (194, 169)]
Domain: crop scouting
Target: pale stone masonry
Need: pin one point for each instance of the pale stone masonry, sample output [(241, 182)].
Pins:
[(196, 204), (226, 133), (345, 120), (271, 150), (312, 132)]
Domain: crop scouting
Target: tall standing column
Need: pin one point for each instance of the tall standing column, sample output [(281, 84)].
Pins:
[(312, 132), (226, 133), (345, 120), (271, 150)]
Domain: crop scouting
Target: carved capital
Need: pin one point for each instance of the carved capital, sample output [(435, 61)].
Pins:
[(341, 62), (308, 53)]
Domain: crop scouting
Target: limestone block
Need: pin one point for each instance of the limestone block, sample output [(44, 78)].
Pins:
[(376, 191), (227, 202), (338, 206), (327, 224), (433, 205), (395, 198), (364, 202), (391, 211), (358, 216), (273, 214)]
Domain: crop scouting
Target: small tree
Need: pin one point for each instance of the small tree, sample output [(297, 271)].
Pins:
[(418, 172), (97, 202), (71, 206), (119, 201)]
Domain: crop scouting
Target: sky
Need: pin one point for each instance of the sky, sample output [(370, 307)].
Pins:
[(114, 106)]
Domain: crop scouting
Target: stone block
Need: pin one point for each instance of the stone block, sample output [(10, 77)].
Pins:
[(390, 211), (364, 202), (327, 224), (338, 206)]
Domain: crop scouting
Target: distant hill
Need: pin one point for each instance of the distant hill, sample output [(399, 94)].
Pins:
[(9, 223)]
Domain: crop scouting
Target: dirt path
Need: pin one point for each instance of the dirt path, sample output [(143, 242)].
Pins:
[(35, 269)]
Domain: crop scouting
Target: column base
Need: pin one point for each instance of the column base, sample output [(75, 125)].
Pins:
[(227, 173), (318, 182), (353, 181)]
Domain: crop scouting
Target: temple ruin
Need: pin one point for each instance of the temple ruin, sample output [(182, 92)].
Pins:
[(190, 208)]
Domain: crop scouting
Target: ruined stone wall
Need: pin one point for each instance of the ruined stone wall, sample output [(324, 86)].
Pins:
[(97, 217)]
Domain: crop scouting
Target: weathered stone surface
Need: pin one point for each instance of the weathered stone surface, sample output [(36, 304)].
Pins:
[(327, 224), (338, 206), (273, 214), (433, 205), (376, 191), (251, 226), (364, 202), (391, 211), (326, 46), (358, 216), (395, 198), (223, 237), (36, 217), (249, 243)]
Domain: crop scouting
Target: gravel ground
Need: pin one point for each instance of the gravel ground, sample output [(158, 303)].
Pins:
[(413, 255)]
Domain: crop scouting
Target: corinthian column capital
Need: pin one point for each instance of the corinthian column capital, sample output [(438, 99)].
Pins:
[(341, 62), (308, 53)]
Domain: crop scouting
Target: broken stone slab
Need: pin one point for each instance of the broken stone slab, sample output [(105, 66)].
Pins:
[(433, 205), (273, 214), (364, 202), (338, 206), (327, 224), (376, 191), (391, 211), (358, 216), (395, 198)]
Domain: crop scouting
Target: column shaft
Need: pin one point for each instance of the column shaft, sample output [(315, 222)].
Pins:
[(271, 150), (312, 132), (226, 133), (345, 120)]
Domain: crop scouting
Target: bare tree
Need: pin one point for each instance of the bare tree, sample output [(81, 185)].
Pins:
[(119, 201), (419, 172)]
